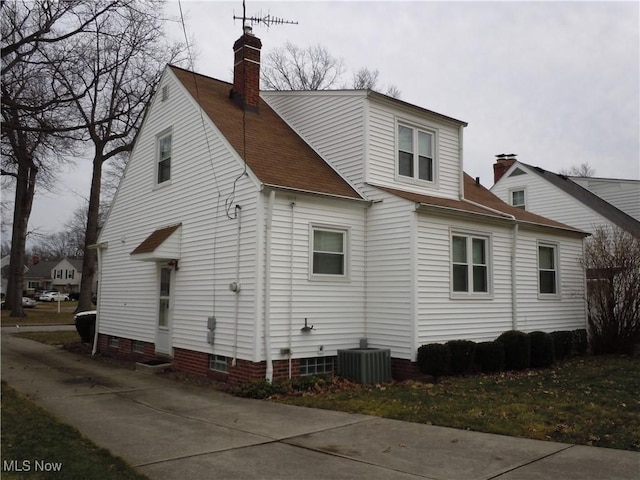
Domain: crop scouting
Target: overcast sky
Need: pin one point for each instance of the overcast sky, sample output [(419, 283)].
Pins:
[(555, 83)]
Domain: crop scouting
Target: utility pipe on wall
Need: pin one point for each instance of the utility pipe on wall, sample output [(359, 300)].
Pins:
[(237, 291), (267, 287), (292, 204), (98, 247)]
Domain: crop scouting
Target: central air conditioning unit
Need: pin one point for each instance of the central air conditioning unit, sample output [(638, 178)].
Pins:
[(365, 365)]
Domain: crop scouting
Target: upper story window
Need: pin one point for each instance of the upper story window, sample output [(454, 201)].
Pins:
[(547, 269), (164, 158), (416, 153), (470, 263), (518, 198), (329, 247)]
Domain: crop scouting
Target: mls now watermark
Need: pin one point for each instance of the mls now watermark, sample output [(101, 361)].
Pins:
[(30, 466)]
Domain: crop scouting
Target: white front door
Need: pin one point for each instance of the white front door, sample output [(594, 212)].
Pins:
[(165, 307)]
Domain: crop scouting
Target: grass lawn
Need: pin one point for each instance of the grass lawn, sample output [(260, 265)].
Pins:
[(587, 401), (34, 440), (44, 313)]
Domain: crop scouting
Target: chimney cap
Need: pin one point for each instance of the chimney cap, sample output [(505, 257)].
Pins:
[(506, 156)]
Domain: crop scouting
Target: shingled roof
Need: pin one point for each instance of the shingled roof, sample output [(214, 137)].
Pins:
[(590, 199), (271, 149), (484, 203)]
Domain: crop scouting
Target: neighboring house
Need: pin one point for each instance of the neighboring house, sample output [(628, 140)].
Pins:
[(254, 234), (60, 274), (4, 274), (584, 203), (66, 275)]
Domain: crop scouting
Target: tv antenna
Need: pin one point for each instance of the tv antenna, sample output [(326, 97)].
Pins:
[(267, 19)]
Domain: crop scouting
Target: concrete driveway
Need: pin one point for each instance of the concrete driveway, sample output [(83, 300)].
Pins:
[(169, 430)]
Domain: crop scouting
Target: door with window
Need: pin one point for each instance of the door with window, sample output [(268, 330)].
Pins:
[(165, 304)]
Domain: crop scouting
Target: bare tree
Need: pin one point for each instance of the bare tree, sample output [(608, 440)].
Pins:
[(582, 170), (368, 79), (122, 60), (612, 261), (35, 129), (294, 68)]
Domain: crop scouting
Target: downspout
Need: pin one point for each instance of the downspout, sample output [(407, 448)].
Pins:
[(236, 288), (514, 283), (267, 288), (98, 247), (461, 155), (290, 345)]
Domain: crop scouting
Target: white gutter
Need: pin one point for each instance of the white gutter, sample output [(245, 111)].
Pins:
[(461, 155), (98, 247), (267, 288)]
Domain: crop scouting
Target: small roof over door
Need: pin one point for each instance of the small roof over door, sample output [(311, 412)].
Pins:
[(162, 245)]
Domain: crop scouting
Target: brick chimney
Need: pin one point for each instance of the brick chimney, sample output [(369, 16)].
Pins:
[(246, 70), (35, 260), (503, 163)]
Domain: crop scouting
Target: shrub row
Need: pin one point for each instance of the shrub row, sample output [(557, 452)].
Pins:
[(513, 350)]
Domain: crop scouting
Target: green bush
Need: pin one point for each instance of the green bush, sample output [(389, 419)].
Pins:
[(463, 353), (260, 389), (434, 359), (542, 350), (309, 382), (562, 344), (517, 349), (580, 341), (490, 356)]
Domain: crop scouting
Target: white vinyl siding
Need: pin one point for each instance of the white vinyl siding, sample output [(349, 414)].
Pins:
[(545, 199), (622, 194), (210, 239), (332, 123), (335, 306), (382, 164)]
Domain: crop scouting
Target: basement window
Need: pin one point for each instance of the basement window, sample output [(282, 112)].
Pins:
[(218, 363), (113, 342), (316, 366), (137, 346)]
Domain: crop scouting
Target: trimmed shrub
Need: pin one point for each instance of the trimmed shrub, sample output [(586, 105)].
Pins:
[(562, 343), (517, 349), (542, 350), (580, 341), (490, 356), (434, 359), (463, 354), (260, 389)]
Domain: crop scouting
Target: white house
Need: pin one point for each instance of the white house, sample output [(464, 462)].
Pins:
[(255, 234), (582, 202)]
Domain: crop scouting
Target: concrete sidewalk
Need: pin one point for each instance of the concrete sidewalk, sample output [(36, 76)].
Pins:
[(169, 430)]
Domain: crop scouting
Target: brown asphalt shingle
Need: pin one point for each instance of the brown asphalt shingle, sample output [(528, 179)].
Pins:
[(272, 150), (154, 240)]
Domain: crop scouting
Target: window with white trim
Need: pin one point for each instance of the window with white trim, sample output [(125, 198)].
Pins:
[(547, 269), (218, 363), (518, 198), (137, 346), (416, 153), (328, 251), (469, 264), (164, 159)]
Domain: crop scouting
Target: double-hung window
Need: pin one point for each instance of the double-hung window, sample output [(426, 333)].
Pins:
[(547, 269), (469, 264), (329, 251), (416, 153), (164, 158), (518, 198)]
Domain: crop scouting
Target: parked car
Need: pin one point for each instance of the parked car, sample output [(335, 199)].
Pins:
[(28, 302), (54, 297)]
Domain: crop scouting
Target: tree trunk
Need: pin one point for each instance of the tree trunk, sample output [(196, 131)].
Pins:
[(25, 190), (91, 237)]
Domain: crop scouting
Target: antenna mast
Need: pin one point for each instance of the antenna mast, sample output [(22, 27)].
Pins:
[(267, 19)]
